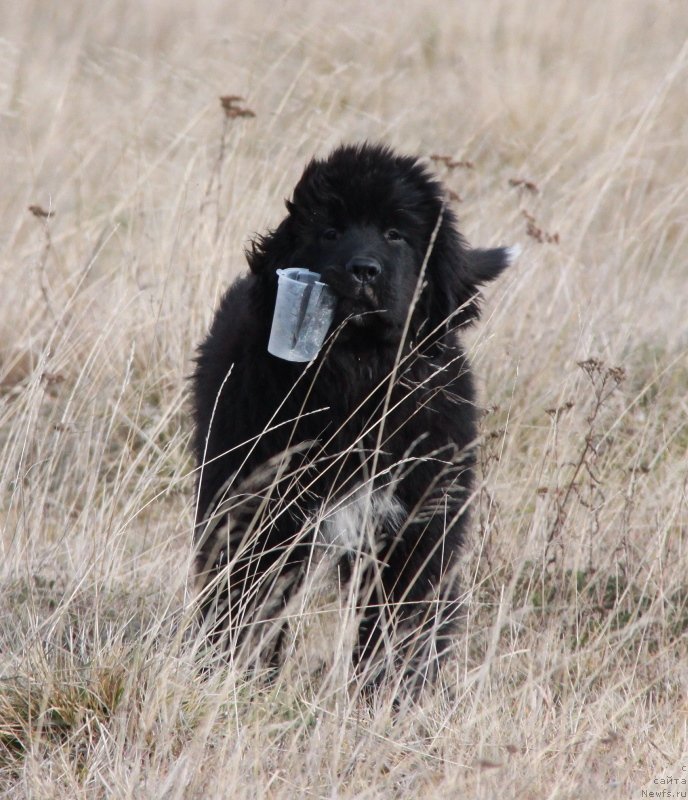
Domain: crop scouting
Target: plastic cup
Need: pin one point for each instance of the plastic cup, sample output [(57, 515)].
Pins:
[(303, 314)]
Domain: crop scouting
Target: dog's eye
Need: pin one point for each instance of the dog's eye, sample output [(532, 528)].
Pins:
[(393, 235), (330, 234)]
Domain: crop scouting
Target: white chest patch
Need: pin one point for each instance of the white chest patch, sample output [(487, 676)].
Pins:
[(350, 524)]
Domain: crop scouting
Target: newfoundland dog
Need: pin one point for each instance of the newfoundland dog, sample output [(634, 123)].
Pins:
[(364, 456)]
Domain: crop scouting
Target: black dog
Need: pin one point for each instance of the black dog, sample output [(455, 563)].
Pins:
[(365, 453)]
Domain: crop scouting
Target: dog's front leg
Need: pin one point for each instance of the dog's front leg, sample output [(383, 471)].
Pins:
[(410, 607)]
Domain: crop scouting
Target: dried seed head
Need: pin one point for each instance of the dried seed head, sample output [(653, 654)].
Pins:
[(40, 212), (229, 103), (523, 183), (452, 163)]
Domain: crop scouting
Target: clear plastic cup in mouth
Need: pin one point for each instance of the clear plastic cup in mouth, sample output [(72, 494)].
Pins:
[(303, 314)]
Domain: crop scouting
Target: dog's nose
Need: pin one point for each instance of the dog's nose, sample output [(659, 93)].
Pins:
[(364, 269)]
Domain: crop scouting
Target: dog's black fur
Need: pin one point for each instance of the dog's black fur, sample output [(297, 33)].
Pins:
[(384, 419)]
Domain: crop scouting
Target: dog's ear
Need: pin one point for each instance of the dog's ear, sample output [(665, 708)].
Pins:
[(276, 248), (454, 276), (486, 265), (273, 250)]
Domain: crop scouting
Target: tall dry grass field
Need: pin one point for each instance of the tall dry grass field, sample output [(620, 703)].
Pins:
[(127, 197)]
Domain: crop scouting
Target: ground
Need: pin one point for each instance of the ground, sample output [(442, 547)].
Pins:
[(129, 192)]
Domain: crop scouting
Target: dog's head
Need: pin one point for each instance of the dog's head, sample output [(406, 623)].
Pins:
[(376, 226)]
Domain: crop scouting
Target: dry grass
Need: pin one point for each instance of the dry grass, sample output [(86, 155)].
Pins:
[(571, 674)]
